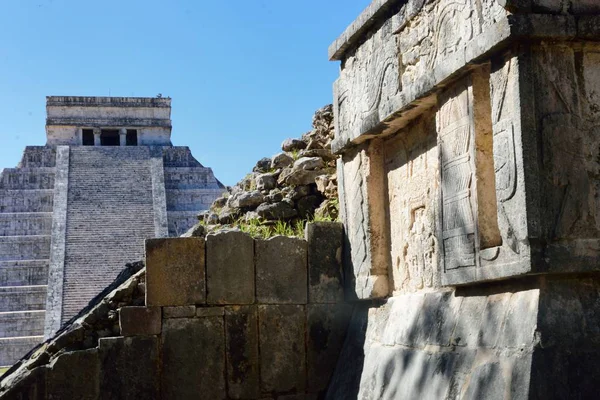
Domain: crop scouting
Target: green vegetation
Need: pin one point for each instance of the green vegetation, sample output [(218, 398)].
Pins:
[(3, 370)]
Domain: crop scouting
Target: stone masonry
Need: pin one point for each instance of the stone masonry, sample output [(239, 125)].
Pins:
[(469, 184), (75, 211), (222, 320)]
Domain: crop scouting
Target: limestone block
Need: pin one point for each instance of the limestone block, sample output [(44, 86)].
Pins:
[(281, 271), (22, 323), (22, 298), (282, 348), (241, 337), (179, 312), (13, 348), (230, 268), (466, 332), (175, 272), (129, 368), (193, 358), (140, 321), (17, 201), (325, 241), (326, 330), (28, 273), (210, 311), (74, 375)]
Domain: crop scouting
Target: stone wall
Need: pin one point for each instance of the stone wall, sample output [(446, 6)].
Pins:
[(26, 202), (225, 316), (468, 155)]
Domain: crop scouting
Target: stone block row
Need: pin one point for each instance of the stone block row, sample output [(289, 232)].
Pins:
[(22, 298), (24, 224), (24, 273), (242, 352), (444, 319), (13, 348), (233, 268), (24, 200), (24, 248), (27, 178), (21, 323)]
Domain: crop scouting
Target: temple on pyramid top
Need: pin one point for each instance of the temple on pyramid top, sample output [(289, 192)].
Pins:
[(74, 212), (108, 121)]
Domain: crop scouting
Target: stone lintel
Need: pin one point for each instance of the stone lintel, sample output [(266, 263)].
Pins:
[(422, 93)]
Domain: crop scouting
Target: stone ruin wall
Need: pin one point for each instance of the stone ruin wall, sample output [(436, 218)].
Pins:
[(469, 192), (226, 316), (72, 216)]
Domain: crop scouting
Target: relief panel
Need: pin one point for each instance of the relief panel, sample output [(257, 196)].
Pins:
[(411, 164), (369, 86), (364, 215)]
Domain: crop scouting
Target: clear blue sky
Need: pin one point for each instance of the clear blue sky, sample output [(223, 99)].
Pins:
[(243, 74)]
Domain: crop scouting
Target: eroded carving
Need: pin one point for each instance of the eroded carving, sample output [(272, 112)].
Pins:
[(455, 141), (370, 78)]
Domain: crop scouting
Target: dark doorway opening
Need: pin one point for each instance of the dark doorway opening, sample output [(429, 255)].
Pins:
[(87, 137), (131, 138), (110, 137)]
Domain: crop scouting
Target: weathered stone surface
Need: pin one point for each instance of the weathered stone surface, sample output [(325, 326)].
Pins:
[(230, 268), (362, 207), (306, 206), (140, 321), (281, 270), (210, 311), (74, 375), (262, 165), (245, 199), (292, 144), (282, 348), (295, 177), (193, 358), (129, 368), (241, 330), (309, 163), (175, 272), (32, 387), (266, 181), (277, 211), (281, 160), (326, 330), (179, 312), (325, 241)]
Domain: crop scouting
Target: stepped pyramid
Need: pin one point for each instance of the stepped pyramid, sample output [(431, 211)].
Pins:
[(75, 211)]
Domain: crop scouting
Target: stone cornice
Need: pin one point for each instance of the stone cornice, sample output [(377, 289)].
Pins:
[(83, 101)]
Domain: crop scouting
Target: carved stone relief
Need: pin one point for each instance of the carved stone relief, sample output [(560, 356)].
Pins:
[(411, 165), (440, 31), (570, 129), (368, 84), (456, 148)]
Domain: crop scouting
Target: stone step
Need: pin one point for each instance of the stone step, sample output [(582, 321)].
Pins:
[(23, 273), (22, 323), (13, 248), (26, 200), (190, 178), (27, 178), (23, 298), (25, 224), (12, 349), (38, 156), (191, 199), (181, 221)]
